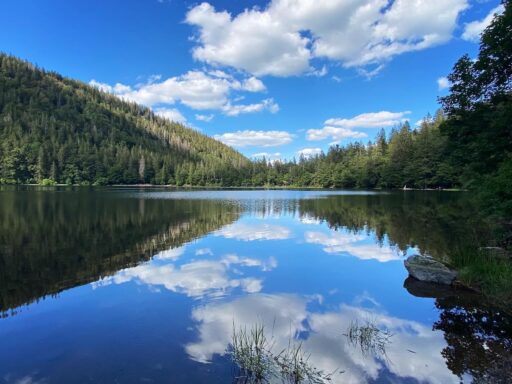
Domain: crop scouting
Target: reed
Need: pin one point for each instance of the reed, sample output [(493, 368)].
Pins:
[(253, 352), (369, 338)]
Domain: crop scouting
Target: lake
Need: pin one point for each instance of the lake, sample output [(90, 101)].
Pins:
[(149, 286)]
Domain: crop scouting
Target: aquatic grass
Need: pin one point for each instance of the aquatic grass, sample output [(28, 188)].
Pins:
[(250, 351), (253, 353), (294, 366), (369, 338)]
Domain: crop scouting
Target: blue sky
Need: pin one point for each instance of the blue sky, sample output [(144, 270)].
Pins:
[(275, 77)]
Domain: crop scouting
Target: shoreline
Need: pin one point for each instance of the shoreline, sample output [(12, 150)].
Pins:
[(263, 187)]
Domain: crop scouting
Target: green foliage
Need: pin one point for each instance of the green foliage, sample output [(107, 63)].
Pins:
[(479, 118), (488, 272), (48, 182), (416, 158), (55, 128)]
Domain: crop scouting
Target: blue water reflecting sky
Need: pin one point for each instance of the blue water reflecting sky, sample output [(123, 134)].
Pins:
[(170, 319)]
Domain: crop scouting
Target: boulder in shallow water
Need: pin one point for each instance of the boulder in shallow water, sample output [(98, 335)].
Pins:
[(428, 269)]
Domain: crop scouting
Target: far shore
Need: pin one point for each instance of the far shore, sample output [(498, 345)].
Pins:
[(213, 187)]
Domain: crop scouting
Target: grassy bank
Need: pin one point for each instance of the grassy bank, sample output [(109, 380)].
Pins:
[(486, 271)]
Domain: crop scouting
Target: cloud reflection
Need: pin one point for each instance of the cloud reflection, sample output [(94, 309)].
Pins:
[(170, 254), (353, 244), (212, 278), (287, 315), (252, 232)]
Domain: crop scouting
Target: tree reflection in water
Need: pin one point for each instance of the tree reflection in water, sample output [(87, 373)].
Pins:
[(478, 334)]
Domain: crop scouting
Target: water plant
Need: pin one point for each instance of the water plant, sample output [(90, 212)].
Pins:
[(369, 338), (255, 355)]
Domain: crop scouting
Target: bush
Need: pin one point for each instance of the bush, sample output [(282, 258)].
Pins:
[(100, 181), (7, 181), (48, 182)]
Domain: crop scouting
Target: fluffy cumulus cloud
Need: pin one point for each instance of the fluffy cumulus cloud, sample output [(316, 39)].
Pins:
[(474, 29), (443, 83), (309, 152), (342, 128), (250, 138), (284, 37), (200, 90)]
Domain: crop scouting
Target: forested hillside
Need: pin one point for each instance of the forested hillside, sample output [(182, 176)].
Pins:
[(53, 129)]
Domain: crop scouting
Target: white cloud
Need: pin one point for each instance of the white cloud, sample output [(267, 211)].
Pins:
[(252, 232), (341, 128), (318, 72), (352, 244), (474, 29), (335, 133), (197, 90), (171, 114), (309, 152), (267, 155), (233, 259), (253, 84), (253, 41), (272, 41), (370, 72), (370, 120), (204, 251), (101, 86), (235, 110), (170, 254), (255, 138), (205, 118), (443, 83)]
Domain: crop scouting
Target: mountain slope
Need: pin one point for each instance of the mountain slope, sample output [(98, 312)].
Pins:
[(52, 127)]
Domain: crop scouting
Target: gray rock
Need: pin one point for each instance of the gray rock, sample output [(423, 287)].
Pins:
[(426, 268)]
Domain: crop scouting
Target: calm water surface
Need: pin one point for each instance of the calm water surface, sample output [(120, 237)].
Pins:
[(144, 286)]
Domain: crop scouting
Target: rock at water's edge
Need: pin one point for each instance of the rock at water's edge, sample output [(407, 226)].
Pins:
[(426, 268)]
